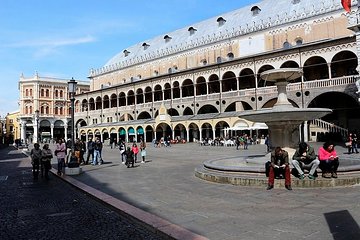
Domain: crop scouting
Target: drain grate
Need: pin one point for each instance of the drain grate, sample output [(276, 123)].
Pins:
[(3, 178)]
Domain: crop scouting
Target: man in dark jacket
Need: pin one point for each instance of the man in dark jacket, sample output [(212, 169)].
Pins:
[(279, 167), (305, 158), (90, 150)]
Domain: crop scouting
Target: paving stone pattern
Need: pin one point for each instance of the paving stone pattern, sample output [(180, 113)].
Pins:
[(53, 209)]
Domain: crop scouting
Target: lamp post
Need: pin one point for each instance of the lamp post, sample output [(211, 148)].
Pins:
[(72, 90), (37, 126)]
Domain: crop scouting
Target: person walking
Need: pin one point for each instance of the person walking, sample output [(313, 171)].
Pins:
[(135, 150), (142, 150), (60, 154), (46, 156), (35, 155)]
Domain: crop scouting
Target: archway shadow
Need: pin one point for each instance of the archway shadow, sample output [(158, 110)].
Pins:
[(342, 225)]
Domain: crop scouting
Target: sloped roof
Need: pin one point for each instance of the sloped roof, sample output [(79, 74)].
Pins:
[(238, 22)]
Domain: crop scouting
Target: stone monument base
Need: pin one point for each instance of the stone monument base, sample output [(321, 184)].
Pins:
[(73, 171)]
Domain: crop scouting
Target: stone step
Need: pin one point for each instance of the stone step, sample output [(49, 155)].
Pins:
[(260, 180)]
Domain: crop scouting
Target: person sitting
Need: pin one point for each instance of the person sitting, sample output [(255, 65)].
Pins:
[(73, 161), (305, 158), (279, 167), (329, 160)]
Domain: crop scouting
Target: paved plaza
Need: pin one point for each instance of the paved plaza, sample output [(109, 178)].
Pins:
[(165, 186)]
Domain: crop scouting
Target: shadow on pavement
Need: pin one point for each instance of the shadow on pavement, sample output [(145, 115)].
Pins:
[(342, 225)]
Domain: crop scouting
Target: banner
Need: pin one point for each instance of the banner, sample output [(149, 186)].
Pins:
[(346, 5)]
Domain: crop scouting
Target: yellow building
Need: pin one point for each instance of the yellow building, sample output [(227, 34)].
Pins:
[(12, 127), (192, 83)]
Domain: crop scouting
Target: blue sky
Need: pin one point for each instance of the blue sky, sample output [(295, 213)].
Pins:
[(65, 39)]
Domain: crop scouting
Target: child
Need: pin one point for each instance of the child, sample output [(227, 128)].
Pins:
[(135, 150)]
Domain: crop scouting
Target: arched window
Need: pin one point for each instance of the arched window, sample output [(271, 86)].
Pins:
[(47, 93), (26, 92)]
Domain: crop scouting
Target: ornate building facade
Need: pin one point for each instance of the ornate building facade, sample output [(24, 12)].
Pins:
[(193, 82), (45, 108)]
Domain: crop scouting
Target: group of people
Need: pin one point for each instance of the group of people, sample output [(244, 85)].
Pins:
[(41, 160), (304, 158), (129, 155), (352, 143)]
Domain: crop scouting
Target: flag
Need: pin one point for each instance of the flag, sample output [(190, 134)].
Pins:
[(346, 5)]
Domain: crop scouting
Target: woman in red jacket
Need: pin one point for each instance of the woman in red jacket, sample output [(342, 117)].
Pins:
[(329, 160), (135, 150)]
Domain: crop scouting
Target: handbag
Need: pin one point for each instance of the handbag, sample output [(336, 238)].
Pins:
[(143, 153), (348, 144)]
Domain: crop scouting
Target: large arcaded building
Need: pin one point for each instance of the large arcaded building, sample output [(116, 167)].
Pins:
[(193, 82)]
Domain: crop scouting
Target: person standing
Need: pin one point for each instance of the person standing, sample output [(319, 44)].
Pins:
[(354, 144), (329, 160), (279, 167), (46, 156), (135, 150), (60, 153), (90, 150), (122, 149), (35, 155), (97, 152), (305, 158), (142, 150)]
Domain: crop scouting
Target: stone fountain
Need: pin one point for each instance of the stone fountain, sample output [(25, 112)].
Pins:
[(283, 121)]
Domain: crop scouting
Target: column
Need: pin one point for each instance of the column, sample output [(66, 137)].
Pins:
[(52, 131), (306, 132), (213, 133), (66, 136), (329, 70), (187, 135), (23, 131), (200, 135), (36, 132)]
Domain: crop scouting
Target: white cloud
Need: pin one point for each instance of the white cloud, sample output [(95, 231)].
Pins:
[(53, 43)]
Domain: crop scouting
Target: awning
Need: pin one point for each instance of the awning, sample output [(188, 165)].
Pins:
[(140, 130), (131, 131), (122, 132), (259, 126)]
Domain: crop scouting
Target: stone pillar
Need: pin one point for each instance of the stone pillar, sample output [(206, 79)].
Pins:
[(52, 130), (306, 132), (187, 135), (23, 131), (329, 70), (200, 134), (213, 133), (66, 136)]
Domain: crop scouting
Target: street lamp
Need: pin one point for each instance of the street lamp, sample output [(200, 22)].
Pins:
[(72, 90), (37, 126)]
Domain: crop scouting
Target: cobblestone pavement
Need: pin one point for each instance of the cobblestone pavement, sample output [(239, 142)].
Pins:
[(53, 209)]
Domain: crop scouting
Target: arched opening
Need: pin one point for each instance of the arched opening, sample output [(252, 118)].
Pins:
[(144, 115), (344, 64), (246, 79), (113, 101), (207, 131), (139, 96), (148, 95), (162, 130), (315, 68), (180, 132), (122, 99), (346, 110), (194, 132), (158, 93), (176, 90), (229, 82), (263, 82), (91, 104), (188, 111), (187, 88), (173, 112), (106, 103), (131, 98), (214, 84), (219, 129), (149, 133), (98, 103), (167, 91), (208, 109), (291, 64), (201, 86)]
